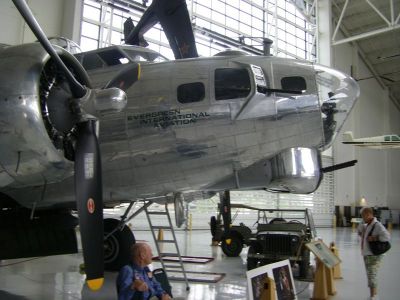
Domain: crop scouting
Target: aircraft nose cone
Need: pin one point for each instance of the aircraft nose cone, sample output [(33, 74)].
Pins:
[(338, 93)]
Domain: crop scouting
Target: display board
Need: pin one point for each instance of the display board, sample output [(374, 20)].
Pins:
[(324, 254)]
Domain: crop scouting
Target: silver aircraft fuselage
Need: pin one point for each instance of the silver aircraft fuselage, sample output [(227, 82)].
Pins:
[(190, 125)]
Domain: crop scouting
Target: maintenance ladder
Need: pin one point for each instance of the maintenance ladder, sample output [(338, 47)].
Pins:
[(175, 266)]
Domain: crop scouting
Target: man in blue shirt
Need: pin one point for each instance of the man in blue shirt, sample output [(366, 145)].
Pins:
[(136, 278)]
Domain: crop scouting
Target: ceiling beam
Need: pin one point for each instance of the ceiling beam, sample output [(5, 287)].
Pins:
[(365, 35), (392, 24), (371, 68), (380, 13)]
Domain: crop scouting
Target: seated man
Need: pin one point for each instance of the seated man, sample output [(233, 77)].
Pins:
[(136, 278)]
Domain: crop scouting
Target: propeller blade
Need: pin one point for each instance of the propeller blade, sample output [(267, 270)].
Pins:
[(125, 78), (77, 89), (88, 190)]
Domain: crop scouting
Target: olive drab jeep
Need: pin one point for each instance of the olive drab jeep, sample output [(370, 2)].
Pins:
[(277, 238), (283, 238)]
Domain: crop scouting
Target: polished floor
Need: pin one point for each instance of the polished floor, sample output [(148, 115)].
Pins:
[(58, 277)]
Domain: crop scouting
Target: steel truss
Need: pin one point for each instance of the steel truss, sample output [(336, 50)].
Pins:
[(392, 24)]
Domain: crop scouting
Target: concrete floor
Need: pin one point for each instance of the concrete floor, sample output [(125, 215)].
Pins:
[(58, 277)]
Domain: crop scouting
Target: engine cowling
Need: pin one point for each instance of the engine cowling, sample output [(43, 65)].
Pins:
[(37, 122)]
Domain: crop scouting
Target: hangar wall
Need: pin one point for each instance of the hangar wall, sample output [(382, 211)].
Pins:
[(64, 20), (376, 174)]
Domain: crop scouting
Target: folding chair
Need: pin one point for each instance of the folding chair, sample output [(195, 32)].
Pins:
[(162, 278)]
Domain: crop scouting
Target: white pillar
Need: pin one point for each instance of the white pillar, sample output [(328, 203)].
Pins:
[(324, 32), (71, 25)]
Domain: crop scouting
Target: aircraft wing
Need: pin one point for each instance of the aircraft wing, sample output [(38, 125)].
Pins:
[(174, 19), (376, 142)]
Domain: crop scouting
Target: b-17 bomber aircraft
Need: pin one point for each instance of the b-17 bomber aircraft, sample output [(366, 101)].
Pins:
[(388, 141), (132, 125)]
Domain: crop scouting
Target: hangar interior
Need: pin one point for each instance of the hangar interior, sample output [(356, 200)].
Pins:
[(359, 38)]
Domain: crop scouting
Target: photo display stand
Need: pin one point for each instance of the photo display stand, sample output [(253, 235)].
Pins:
[(271, 282)]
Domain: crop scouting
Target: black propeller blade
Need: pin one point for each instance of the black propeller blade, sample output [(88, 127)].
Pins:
[(88, 191), (88, 185)]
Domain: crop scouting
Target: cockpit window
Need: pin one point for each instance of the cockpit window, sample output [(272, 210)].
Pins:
[(191, 92), (231, 83), (112, 57), (294, 83), (97, 60)]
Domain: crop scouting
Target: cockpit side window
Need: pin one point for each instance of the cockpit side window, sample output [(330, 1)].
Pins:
[(191, 92), (294, 83), (231, 83)]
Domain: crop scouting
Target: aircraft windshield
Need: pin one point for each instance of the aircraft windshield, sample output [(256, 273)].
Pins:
[(337, 93), (112, 56)]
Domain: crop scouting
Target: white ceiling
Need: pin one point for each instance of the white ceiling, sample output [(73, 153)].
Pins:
[(374, 26)]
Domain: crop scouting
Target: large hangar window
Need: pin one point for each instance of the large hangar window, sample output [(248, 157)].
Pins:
[(218, 25), (231, 83)]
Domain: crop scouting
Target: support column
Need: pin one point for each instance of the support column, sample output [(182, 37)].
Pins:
[(323, 35), (71, 25), (324, 32)]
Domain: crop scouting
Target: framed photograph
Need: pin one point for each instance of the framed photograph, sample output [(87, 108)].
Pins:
[(280, 272), (325, 254)]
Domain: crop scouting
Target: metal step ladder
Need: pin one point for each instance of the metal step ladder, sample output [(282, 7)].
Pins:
[(168, 266)]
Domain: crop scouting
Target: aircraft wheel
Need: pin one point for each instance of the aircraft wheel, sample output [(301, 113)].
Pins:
[(117, 246), (232, 245)]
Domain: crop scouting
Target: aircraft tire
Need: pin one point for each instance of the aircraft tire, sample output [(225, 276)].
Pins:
[(117, 246), (235, 247)]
